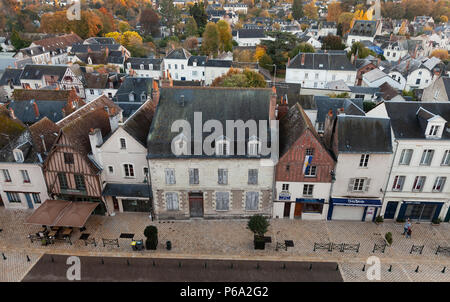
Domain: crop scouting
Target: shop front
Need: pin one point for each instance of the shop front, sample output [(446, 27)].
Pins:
[(128, 197), (420, 210), (353, 209), (308, 209)]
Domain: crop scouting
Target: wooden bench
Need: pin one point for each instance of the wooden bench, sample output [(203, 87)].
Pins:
[(322, 246), (114, 242)]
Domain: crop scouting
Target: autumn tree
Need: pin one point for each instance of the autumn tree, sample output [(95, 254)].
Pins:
[(211, 39), (393, 10), (345, 19), (191, 27), (191, 43), (332, 42), (310, 10), (237, 78), (259, 52), (150, 21), (225, 37), (124, 26), (334, 11), (301, 47), (441, 54), (297, 9)]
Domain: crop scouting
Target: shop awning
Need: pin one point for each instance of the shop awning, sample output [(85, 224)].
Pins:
[(127, 190), (309, 200), (62, 213)]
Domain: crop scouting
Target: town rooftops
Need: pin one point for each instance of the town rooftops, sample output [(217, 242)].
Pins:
[(361, 134), (406, 118), (83, 48), (250, 33), (31, 111), (11, 75), (179, 54), (364, 28), (137, 62), (139, 123), (374, 75), (321, 61), (324, 104), (59, 42), (36, 72), (219, 104)]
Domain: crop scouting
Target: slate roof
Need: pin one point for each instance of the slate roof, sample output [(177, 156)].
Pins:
[(96, 80), (288, 91), (9, 128), (135, 85), (40, 94), (201, 60), (325, 103), (179, 53), (139, 123), (136, 63), (407, 125), (220, 104), (36, 72), (387, 91), (11, 74), (250, 33), (25, 110), (361, 134), (100, 40), (33, 51), (49, 132), (364, 90), (322, 61), (364, 28), (219, 63), (127, 190), (85, 48), (374, 75), (22, 142), (59, 42)]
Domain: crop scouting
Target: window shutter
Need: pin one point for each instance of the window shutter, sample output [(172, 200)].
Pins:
[(172, 176), (255, 201), (220, 176), (351, 184), (225, 176), (167, 176), (191, 176), (367, 184), (196, 179)]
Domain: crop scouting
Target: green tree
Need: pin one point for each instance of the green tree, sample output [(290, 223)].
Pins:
[(358, 49), (302, 47), (197, 11), (211, 39), (191, 28), (258, 224), (169, 13), (225, 36), (331, 42), (237, 78), (18, 42), (266, 62), (297, 9)]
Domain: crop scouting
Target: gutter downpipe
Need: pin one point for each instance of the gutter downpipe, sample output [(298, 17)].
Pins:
[(389, 175)]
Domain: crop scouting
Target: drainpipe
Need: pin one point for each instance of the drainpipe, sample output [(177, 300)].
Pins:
[(389, 176)]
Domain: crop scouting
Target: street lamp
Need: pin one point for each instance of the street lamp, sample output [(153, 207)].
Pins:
[(147, 180), (274, 74)]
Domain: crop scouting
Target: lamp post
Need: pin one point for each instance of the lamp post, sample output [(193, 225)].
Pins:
[(274, 73)]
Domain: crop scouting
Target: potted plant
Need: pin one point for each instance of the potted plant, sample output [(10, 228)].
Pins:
[(379, 219), (388, 238), (258, 224), (436, 221), (151, 232)]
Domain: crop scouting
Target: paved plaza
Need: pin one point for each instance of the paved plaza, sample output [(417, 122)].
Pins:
[(231, 240)]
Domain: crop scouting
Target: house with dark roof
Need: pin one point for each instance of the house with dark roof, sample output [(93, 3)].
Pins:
[(58, 46), (304, 172), (71, 170), (315, 70), (144, 67), (215, 174), (418, 186), (107, 84), (363, 30), (250, 37), (60, 77), (37, 54), (132, 93), (123, 156), (21, 160), (363, 148), (181, 65), (9, 81)]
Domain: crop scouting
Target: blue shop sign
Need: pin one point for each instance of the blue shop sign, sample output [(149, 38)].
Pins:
[(284, 195), (308, 200), (356, 202)]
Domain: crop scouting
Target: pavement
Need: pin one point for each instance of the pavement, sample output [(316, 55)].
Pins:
[(231, 240)]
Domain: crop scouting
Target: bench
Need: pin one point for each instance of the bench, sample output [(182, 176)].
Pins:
[(322, 246), (285, 245), (350, 247), (114, 242), (379, 247), (416, 249), (34, 237), (90, 241), (443, 249)]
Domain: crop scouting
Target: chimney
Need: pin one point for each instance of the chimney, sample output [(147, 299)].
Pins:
[(167, 81), (155, 92), (282, 109), (273, 103), (303, 59), (96, 139), (107, 51), (328, 129), (36, 109), (43, 143), (114, 119)]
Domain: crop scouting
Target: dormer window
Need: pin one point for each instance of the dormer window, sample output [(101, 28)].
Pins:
[(131, 97), (222, 146), (180, 145), (150, 66), (18, 155), (434, 130), (143, 97), (254, 146), (142, 66)]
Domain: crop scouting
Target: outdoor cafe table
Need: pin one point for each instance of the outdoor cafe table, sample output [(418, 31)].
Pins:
[(66, 232)]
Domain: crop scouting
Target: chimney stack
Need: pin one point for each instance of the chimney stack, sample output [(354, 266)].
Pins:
[(36, 109), (43, 143), (96, 139), (273, 103), (155, 92), (11, 113), (303, 59), (282, 108)]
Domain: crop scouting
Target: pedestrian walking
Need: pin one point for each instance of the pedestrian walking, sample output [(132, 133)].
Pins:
[(406, 226), (408, 233)]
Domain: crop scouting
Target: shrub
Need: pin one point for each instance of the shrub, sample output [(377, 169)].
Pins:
[(379, 219), (437, 221), (258, 224), (388, 237), (151, 232)]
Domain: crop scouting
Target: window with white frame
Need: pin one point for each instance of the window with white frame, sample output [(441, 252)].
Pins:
[(222, 176), (310, 151), (193, 176), (253, 176), (110, 169), (251, 201), (399, 181), (439, 183), (36, 197), (285, 187), (131, 97), (223, 147), (418, 184), (170, 176), (172, 203), (308, 190), (358, 184), (13, 197), (434, 130), (18, 156), (222, 201), (128, 170), (446, 158), (364, 160), (123, 143), (25, 176), (405, 157), (6, 176), (310, 171), (253, 146), (427, 156)]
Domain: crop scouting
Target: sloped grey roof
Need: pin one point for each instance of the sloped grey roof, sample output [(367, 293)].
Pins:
[(361, 134), (325, 103), (251, 33), (179, 53), (322, 61), (12, 74), (136, 63), (25, 111), (364, 28), (219, 63), (127, 190), (36, 72), (407, 125), (201, 60), (139, 123), (219, 104)]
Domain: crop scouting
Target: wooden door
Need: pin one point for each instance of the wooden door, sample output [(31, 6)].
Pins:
[(116, 203), (287, 209), (298, 210), (196, 204)]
